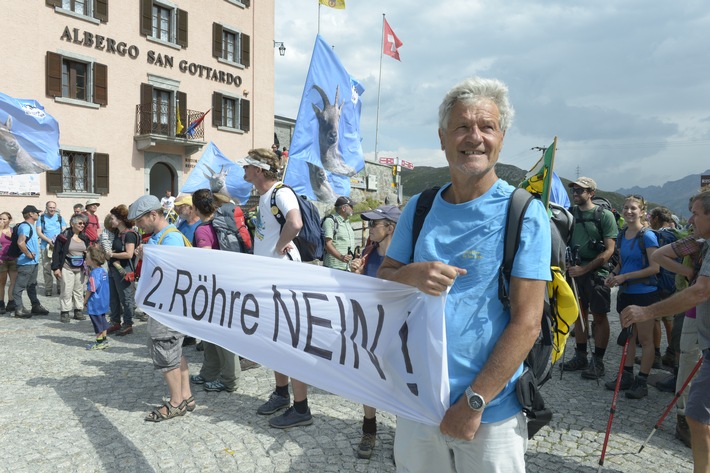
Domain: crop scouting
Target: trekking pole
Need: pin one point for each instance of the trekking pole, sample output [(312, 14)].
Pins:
[(670, 406), (612, 410)]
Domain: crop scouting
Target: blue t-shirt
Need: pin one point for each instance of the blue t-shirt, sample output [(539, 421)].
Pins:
[(51, 228), (374, 260), (32, 243), (470, 236), (172, 238), (97, 285), (188, 229), (632, 259)]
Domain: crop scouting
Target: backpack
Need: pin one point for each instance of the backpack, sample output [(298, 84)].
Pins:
[(335, 224), (310, 240), (228, 237), (664, 280), (41, 221), (560, 309), (132, 261), (14, 250), (601, 204), (242, 230)]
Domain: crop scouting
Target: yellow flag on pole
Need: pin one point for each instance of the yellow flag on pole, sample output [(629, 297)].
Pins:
[(338, 4)]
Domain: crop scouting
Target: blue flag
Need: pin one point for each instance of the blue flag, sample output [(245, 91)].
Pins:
[(218, 173), (326, 145), (558, 193), (29, 137)]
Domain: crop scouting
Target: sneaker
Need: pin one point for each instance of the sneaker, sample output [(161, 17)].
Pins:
[(22, 313), (97, 345), (291, 418), (247, 364), (11, 307), (638, 390), (627, 379), (140, 315), (667, 385), (595, 370), (78, 315), (275, 403), (217, 386), (64, 317), (38, 309), (367, 445), (197, 379), (113, 328), (125, 330), (682, 430), (579, 362)]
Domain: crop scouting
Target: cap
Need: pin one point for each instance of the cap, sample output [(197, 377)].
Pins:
[(389, 212), (183, 199), (143, 205), (249, 161), (30, 208), (92, 202), (342, 200), (586, 182)]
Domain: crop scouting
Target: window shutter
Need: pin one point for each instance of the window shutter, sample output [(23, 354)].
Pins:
[(216, 40), (100, 84), (245, 50), (182, 110), (101, 10), (182, 28), (216, 109), (54, 75), (247, 3), (54, 3), (145, 115), (101, 173), (54, 181), (244, 115), (146, 17)]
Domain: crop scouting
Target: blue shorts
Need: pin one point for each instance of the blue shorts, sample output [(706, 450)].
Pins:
[(99, 322)]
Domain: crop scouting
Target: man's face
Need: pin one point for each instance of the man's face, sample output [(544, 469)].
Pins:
[(34, 216), (250, 173), (146, 222), (77, 210), (580, 195), (91, 208), (167, 193), (346, 211), (700, 219), (183, 211), (51, 208), (472, 139)]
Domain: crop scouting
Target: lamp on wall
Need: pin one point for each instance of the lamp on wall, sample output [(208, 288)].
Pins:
[(282, 48)]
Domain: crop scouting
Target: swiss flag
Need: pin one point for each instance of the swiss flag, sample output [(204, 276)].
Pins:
[(391, 42)]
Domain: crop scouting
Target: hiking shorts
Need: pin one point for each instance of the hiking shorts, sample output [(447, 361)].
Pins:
[(7, 266), (164, 346), (593, 294), (698, 405)]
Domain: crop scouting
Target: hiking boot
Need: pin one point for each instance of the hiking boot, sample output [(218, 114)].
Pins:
[(11, 307), (113, 328), (275, 403), (638, 390), (627, 379), (366, 446), (187, 341), (2, 307), (291, 418), (245, 364), (668, 358), (64, 317), (682, 430), (78, 315), (217, 386), (667, 385), (38, 309), (197, 379), (579, 362), (595, 370), (48, 293), (22, 313), (125, 330), (140, 315), (200, 347)]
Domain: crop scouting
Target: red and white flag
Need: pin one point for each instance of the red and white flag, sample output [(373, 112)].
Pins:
[(391, 42)]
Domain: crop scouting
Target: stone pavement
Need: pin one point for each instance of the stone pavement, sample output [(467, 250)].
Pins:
[(66, 409)]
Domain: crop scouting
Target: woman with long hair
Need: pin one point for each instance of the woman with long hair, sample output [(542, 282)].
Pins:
[(121, 265), (68, 267), (8, 266), (635, 275)]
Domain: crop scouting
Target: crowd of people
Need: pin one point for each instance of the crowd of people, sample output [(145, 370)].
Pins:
[(456, 249)]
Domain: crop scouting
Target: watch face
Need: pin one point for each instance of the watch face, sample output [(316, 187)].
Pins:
[(476, 402)]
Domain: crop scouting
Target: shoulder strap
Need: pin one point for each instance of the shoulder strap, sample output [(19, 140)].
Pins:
[(424, 203), (18, 229), (518, 205), (171, 230), (41, 222), (275, 211)]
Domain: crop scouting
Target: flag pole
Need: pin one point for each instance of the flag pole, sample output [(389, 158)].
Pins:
[(319, 5), (379, 87)]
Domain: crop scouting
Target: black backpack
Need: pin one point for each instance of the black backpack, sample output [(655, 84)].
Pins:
[(14, 250), (310, 240)]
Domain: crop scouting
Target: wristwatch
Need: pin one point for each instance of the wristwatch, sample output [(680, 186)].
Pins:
[(475, 400)]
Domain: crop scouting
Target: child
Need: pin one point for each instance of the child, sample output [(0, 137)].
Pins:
[(97, 296)]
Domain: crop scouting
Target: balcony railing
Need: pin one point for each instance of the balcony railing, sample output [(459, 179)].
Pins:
[(162, 120)]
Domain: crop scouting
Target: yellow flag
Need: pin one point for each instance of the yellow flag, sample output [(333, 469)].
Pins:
[(339, 4), (178, 127)]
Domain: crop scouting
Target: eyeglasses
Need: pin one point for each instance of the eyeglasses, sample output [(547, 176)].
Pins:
[(376, 223), (636, 196), (80, 223), (578, 190)]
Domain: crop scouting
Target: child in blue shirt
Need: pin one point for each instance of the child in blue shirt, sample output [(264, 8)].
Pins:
[(97, 296)]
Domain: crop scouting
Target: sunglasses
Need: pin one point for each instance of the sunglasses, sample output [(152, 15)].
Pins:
[(637, 197), (578, 190), (375, 223), (80, 223)]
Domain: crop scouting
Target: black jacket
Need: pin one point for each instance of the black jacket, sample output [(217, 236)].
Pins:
[(61, 247)]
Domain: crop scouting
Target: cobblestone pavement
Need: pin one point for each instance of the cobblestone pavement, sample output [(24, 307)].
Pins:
[(64, 408)]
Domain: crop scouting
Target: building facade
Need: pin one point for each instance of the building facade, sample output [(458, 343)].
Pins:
[(139, 87)]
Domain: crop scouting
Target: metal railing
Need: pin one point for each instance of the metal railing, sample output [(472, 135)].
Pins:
[(161, 119)]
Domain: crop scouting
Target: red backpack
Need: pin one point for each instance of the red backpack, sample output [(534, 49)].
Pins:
[(242, 229)]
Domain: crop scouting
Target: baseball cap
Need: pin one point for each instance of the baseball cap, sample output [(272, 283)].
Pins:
[(586, 182), (389, 212), (92, 202), (30, 208), (342, 200), (143, 205), (183, 199)]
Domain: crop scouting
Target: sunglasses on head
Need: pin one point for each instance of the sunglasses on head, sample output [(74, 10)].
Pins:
[(636, 196)]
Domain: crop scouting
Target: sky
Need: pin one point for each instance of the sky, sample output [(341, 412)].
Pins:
[(624, 85)]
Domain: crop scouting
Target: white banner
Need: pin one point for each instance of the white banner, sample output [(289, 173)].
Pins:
[(374, 342)]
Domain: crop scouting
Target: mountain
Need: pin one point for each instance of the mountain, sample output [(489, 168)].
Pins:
[(672, 194)]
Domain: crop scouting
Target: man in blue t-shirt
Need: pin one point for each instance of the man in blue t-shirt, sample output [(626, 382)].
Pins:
[(189, 220), (27, 264), (460, 249), (49, 226)]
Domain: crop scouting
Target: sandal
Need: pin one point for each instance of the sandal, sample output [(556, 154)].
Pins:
[(188, 401), (172, 411)]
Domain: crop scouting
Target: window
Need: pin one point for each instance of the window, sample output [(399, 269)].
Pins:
[(83, 172), (77, 6), (159, 108), (230, 112), (164, 22), (91, 10), (76, 79), (162, 110), (229, 45)]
